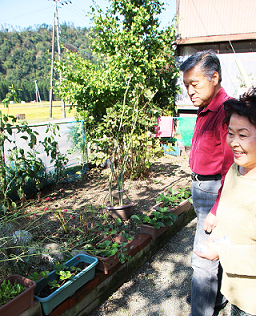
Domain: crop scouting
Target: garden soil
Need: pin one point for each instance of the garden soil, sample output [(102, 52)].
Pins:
[(76, 198), (165, 172)]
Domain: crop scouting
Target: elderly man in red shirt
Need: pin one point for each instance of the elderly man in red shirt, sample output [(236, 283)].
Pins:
[(210, 159)]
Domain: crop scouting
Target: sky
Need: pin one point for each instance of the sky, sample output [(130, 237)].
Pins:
[(25, 13)]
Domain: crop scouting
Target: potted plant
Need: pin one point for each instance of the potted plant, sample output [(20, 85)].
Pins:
[(118, 162), (122, 136), (64, 281), (120, 210), (176, 203), (110, 251), (156, 223), (16, 295)]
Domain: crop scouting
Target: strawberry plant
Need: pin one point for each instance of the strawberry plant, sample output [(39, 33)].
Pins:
[(63, 272), (172, 199), (9, 291), (111, 246), (156, 218)]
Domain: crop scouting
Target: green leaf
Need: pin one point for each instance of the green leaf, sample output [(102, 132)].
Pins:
[(8, 128), (118, 221), (136, 217)]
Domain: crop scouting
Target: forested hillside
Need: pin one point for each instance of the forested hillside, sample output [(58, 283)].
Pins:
[(25, 56)]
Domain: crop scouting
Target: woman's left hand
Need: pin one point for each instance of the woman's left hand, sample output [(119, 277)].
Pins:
[(212, 252)]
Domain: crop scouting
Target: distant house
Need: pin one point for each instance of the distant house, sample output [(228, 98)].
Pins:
[(227, 27)]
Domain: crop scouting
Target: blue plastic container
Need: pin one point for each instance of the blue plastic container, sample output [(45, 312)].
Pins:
[(171, 150), (69, 288)]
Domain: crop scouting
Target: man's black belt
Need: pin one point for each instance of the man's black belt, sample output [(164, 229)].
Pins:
[(199, 177)]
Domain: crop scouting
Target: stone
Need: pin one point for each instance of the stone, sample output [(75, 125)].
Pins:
[(52, 249), (22, 237)]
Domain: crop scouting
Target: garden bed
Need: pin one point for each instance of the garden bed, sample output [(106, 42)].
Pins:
[(80, 204)]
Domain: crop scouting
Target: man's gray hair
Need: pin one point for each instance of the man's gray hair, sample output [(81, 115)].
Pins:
[(207, 60)]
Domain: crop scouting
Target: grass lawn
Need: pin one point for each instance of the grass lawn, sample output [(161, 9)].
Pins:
[(37, 113)]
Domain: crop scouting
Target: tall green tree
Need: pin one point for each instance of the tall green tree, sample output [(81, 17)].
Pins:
[(129, 37), (127, 42), (130, 47)]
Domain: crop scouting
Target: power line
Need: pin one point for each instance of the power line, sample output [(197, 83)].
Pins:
[(208, 35), (224, 29), (237, 60), (200, 18), (20, 16), (76, 48), (78, 13)]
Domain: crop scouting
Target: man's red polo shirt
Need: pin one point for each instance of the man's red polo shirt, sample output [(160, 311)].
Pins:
[(210, 153)]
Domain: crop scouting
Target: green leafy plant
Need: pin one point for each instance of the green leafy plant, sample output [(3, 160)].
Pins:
[(120, 141), (65, 273), (173, 199), (24, 166), (9, 291), (19, 167), (156, 218), (35, 276), (162, 215), (110, 246), (102, 231)]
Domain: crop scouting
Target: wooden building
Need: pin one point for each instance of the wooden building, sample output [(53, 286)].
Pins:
[(228, 27)]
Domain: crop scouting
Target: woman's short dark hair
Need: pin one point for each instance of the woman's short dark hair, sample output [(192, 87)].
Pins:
[(208, 61), (244, 106)]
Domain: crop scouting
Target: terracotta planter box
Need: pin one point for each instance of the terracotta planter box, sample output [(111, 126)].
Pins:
[(68, 288), (151, 230), (179, 209), (123, 212), (134, 246), (106, 263), (21, 302)]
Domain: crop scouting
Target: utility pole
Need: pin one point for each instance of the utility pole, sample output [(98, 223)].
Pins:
[(56, 23), (58, 45), (50, 97)]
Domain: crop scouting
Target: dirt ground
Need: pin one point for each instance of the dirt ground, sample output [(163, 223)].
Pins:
[(73, 202), (165, 173), (75, 198)]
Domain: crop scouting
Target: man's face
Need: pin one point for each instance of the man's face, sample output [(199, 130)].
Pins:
[(200, 90)]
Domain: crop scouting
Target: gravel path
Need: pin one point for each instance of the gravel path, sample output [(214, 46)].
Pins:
[(160, 286)]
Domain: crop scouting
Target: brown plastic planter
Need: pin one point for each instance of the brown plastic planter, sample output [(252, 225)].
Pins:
[(21, 302), (179, 209), (106, 263), (151, 230), (123, 212)]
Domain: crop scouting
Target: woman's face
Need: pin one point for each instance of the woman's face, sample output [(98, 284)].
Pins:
[(242, 140)]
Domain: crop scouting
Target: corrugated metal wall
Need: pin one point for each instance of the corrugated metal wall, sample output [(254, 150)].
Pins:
[(216, 17)]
